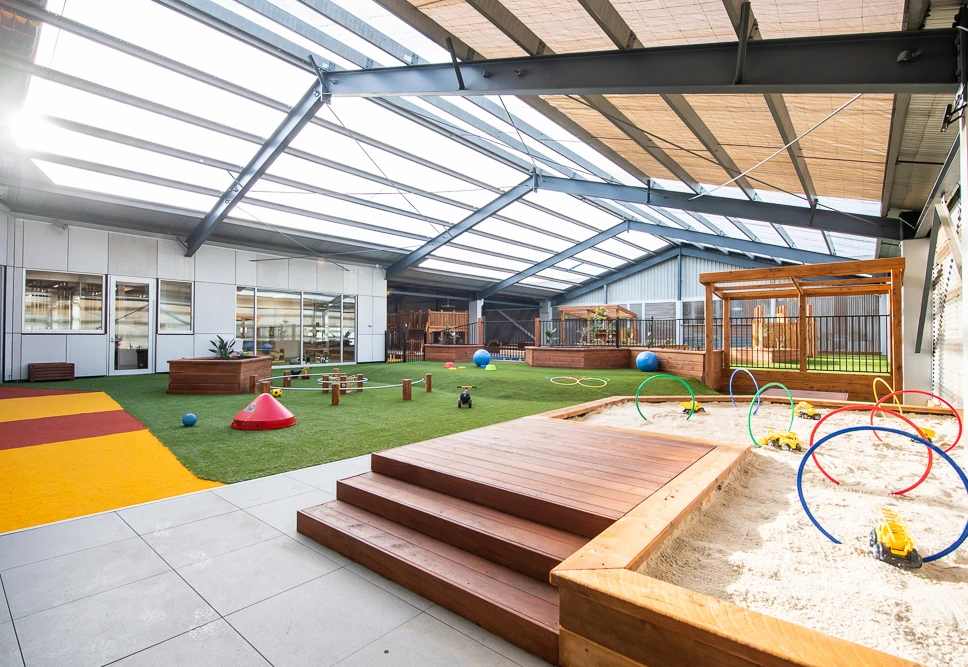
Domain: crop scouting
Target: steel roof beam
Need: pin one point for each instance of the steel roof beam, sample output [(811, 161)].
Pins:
[(937, 191), (464, 225), (863, 63)]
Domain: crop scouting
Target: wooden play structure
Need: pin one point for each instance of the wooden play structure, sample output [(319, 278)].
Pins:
[(782, 339), (430, 321), (598, 322)]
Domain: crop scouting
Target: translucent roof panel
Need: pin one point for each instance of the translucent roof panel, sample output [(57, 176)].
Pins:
[(333, 229), (378, 17), (857, 247), (561, 276), (462, 269), (807, 239), (555, 285), (597, 257), (522, 234), (540, 219), (479, 259), (574, 208)]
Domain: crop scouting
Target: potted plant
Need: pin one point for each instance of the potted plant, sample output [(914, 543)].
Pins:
[(549, 337)]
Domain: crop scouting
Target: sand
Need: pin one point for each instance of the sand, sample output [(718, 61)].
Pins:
[(752, 544)]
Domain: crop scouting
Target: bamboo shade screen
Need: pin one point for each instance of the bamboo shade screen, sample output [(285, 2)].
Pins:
[(462, 20), (603, 129), (804, 18), (920, 143), (664, 23), (845, 155), (651, 113), (563, 25), (745, 127)]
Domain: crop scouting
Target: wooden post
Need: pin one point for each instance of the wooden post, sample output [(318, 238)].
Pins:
[(325, 384), (428, 380), (359, 382), (287, 378), (538, 333), (335, 393), (802, 332), (897, 341), (265, 386), (480, 332), (727, 329), (407, 390), (342, 384), (709, 366), (253, 382)]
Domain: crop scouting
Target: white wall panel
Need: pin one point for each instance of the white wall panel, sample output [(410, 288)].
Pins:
[(246, 268), (364, 315), (302, 274), (351, 280), (89, 354), (364, 348), (379, 315), (45, 246), (43, 348), (364, 279), (5, 243), (274, 272), (214, 308), (215, 265), (172, 263), (173, 347), (87, 250), (15, 236), (379, 282), (329, 277), (133, 256)]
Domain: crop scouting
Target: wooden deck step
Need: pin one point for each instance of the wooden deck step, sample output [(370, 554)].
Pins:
[(522, 545), (510, 604)]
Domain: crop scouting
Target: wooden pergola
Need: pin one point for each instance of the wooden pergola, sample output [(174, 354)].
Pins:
[(853, 278), (589, 313)]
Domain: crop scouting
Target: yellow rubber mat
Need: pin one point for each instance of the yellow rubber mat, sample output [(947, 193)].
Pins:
[(16, 409), (60, 480)]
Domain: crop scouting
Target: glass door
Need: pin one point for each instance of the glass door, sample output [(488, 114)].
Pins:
[(131, 308)]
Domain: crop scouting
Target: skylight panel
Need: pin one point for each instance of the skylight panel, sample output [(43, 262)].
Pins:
[(573, 208), (647, 241), (333, 229), (535, 281), (546, 221), (504, 247), (462, 270), (765, 232), (857, 247), (621, 249), (82, 179), (592, 255), (561, 276), (395, 29), (477, 258), (522, 234), (807, 239), (591, 269)]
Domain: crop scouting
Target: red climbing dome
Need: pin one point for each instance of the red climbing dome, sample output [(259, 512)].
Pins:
[(262, 414)]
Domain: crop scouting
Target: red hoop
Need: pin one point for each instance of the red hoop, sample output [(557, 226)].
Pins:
[(923, 393), (910, 423)]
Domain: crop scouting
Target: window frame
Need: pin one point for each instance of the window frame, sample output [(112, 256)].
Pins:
[(60, 332), (158, 329)]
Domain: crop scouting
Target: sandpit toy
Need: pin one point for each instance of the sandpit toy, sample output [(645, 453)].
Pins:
[(755, 384), (448, 364), (749, 414), (892, 543), (692, 394), (462, 368), (451, 368), (465, 399), (785, 440), (691, 406), (189, 419), (806, 411), (851, 429), (305, 373), (276, 392), (264, 413)]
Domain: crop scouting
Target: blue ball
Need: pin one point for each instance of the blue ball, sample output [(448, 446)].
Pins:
[(189, 419), (647, 362), (482, 358)]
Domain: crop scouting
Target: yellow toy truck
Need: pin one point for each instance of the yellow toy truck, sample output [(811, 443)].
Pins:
[(806, 411), (785, 440), (892, 543), (687, 405)]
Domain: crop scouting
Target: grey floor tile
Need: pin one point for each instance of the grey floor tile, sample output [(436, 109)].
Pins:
[(205, 539), (113, 624), (281, 514), (492, 641), (361, 461), (390, 587), (30, 546), (216, 644), (324, 477), (264, 490), (166, 514), (246, 576), (55, 581), (9, 649), (425, 642), (4, 609), (321, 622), (339, 559)]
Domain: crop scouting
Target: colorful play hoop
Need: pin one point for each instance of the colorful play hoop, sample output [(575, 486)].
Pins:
[(923, 393), (580, 381), (910, 423), (900, 406), (692, 407), (932, 447), (755, 384), (749, 414)]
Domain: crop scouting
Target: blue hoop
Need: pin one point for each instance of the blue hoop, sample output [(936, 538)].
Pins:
[(937, 450), (755, 384)]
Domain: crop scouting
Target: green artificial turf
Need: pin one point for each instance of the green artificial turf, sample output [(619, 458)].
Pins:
[(363, 423)]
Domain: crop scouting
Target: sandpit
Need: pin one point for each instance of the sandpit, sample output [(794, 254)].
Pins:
[(752, 544)]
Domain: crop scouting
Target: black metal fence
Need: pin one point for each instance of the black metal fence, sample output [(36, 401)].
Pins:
[(507, 339), (682, 334)]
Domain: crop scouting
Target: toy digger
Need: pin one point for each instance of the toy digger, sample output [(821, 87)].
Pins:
[(785, 440), (806, 411), (892, 543), (691, 405)]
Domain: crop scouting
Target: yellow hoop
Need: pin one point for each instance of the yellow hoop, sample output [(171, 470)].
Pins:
[(573, 382), (604, 382), (890, 391)]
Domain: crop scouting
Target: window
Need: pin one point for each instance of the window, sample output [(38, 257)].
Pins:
[(63, 301), (245, 318), (349, 329), (174, 307), (277, 328), (321, 328)]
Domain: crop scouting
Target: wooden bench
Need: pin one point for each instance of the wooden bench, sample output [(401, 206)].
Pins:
[(59, 370)]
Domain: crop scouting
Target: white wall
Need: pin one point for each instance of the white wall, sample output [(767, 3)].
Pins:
[(215, 271), (917, 367)]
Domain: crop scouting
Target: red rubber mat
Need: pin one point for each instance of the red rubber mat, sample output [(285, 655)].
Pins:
[(31, 432), (24, 392)]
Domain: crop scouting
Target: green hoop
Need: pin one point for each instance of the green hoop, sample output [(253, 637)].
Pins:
[(692, 408), (749, 413)]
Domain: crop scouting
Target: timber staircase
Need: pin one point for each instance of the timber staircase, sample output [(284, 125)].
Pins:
[(476, 521)]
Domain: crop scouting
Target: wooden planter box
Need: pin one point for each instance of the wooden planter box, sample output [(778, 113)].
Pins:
[(453, 353), (207, 375), (583, 357)]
